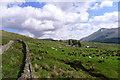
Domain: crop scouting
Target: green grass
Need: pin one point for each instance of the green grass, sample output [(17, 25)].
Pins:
[(103, 46), (77, 53), (51, 58), (61, 70), (0, 55), (12, 61)]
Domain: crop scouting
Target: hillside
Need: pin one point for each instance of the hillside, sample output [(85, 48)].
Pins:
[(55, 59), (104, 35)]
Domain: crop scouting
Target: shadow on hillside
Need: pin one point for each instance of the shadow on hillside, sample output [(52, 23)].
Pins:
[(78, 65)]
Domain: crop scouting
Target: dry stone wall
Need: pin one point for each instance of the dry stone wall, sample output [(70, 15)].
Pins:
[(5, 47), (27, 72)]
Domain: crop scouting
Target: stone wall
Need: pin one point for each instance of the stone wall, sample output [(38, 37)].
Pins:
[(5, 47), (27, 72)]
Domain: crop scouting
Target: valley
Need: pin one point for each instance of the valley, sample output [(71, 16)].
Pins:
[(58, 59)]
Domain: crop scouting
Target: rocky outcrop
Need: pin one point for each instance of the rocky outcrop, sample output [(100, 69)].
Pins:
[(27, 72), (5, 47)]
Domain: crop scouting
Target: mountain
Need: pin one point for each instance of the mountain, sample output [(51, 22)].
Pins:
[(104, 35)]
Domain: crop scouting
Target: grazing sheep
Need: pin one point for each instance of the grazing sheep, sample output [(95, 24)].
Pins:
[(87, 46), (52, 47), (101, 57), (89, 57)]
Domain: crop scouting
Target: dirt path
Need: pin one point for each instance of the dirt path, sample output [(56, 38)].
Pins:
[(5, 47)]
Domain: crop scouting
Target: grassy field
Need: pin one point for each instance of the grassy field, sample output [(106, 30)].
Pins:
[(12, 61), (96, 60), (55, 59)]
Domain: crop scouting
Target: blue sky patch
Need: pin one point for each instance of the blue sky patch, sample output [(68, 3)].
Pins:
[(33, 4), (101, 11)]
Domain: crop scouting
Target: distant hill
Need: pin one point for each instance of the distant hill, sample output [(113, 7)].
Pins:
[(104, 35), (49, 39), (7, 36)]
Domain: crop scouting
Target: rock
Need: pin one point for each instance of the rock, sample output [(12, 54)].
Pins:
[(36, 66)]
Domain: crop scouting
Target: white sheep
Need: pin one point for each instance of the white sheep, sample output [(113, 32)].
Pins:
[(89, 57)]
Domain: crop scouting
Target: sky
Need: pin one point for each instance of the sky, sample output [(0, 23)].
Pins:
[(58, 20)]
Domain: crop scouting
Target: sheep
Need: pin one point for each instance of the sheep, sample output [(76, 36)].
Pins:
[(89, 57)]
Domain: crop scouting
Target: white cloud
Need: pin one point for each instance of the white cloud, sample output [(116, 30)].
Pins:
[(95, 7), (5, 3), (77, 7), (54, 20), (12, 1), (37, 21), (75, 31), (106, 3), (27, 34), (108, 20)]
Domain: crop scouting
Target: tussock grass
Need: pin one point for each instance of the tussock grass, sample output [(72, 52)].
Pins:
[(54, 59), (12, 60)]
